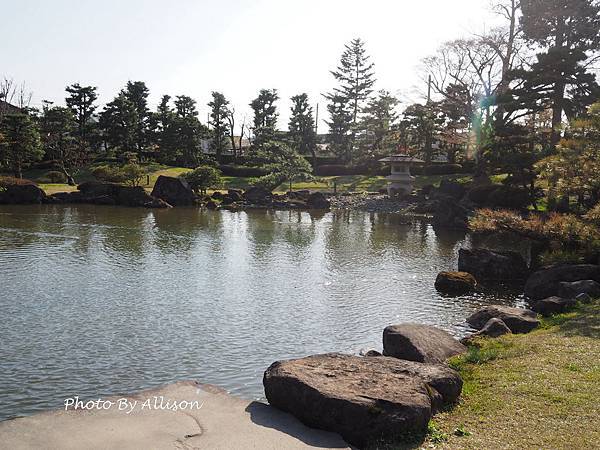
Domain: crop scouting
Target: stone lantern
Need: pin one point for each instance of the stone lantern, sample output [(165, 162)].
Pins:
[(401, 182)]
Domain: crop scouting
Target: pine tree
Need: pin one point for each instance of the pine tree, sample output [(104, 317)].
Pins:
[(302, 126), (119, 122), (20, 144), (137, 93), (569, 31), (265, 116), (379, 117), (340, 124), (219, 114), (81, 103), (356, 79)]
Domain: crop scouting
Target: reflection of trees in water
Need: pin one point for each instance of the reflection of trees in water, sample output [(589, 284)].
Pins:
[(447, 240), (184, 229)]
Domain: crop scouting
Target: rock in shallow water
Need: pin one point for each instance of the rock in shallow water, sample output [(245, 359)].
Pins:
[(363, 399), (455, 282), (519, 320), (488, 265), (420, 343)]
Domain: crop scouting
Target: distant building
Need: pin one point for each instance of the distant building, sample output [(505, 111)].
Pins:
[(7, 108), (207, 148)]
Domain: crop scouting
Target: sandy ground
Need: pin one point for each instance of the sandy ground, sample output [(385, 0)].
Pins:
[(216, 421)]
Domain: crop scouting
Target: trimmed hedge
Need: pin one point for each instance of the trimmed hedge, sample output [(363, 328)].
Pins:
[(336, 170), (242, 171)]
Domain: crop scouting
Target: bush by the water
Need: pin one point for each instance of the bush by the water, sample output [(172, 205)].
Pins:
[(131, 174), (54, 176), (565, 230), (11, 181), (500, 196), (270, 181), (202, 178)]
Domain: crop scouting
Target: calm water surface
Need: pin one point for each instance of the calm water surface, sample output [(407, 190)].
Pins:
[(98, 301)]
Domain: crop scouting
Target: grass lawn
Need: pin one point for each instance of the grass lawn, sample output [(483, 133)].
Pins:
[(539, 390), (351, 183)]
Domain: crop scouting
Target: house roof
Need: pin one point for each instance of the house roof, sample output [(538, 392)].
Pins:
[(7, 108)]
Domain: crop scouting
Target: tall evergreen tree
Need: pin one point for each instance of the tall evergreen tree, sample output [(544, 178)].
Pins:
[(379, 117), (81, 103), (302, 126), (340, 124), (355, 76), (59, 139), (265, 116), (119, 122), (137, 93), (219, 114), (20, 144)]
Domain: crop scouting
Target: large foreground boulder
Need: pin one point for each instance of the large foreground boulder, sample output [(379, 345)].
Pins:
[(22, 193), (546, 282), (420, 343), (174, 191), (492, 265), (519, 320), (455, 282), (363, 399), (553, 305)]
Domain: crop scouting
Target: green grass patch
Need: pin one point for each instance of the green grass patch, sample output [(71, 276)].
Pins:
[(537, 390)]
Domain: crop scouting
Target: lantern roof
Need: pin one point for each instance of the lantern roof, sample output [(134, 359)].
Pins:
[(401, 159)]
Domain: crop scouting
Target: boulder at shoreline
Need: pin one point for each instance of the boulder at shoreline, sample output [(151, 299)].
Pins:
[(546, 282), (455, 282), (363, 399), (174, 191), (420, 343), (492, 265), (553, 305), (518, 320), (493, 328), (15, 191)]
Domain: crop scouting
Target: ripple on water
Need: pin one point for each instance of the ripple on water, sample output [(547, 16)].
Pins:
[(101, 301)]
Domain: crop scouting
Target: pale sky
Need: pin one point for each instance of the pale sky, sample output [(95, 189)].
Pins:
[(233, 46)]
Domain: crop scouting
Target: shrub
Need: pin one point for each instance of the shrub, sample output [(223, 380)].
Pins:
[(202, 178), (132, 174), (242, 171), (270, 181), (443, 169), (108, 173), (11, 181), (593, 215), (566, 230), (55, 176), (562, 256)]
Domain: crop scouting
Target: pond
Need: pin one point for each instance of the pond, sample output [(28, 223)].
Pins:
[(99, 300)]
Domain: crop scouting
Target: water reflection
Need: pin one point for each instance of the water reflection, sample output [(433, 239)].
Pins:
[(103, 300)]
